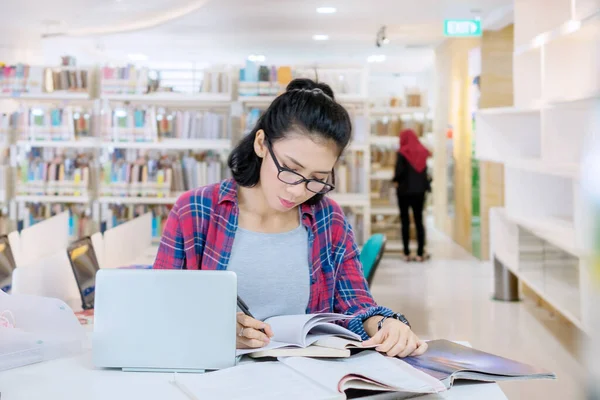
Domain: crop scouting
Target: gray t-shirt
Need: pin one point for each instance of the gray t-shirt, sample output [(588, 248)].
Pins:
[(272, 271)]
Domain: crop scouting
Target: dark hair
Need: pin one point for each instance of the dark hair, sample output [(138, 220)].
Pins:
[(306, 106)]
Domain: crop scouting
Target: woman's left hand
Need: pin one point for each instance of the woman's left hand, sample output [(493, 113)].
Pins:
[(396, 339)]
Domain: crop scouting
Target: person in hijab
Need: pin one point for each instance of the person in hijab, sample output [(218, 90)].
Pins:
[(412, 182)]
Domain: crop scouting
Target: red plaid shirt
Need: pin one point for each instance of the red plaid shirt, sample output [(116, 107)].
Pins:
[(201, 227)]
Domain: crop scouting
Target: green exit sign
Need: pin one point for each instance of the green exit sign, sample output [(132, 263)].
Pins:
[(462, 27)]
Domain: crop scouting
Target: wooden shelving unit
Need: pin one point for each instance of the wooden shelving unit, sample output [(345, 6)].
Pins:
[(556, 91)]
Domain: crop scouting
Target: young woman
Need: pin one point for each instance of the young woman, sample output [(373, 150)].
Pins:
[(412, 182), (290, 246)]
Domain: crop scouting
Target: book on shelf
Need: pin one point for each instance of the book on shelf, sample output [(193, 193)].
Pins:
[(133, 173), (52, 123), (149, 124), (24, 78), (21, 78), (49, 171), (133, 80), (215, 82), (191, 125), (123, 80), (66, 79), (128, 124), (262, 80)]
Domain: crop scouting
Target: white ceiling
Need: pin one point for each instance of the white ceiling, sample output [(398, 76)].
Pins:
[(228, 30)]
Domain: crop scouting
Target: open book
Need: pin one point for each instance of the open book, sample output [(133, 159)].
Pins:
[(308, 378), (309, 335), (448, 361)]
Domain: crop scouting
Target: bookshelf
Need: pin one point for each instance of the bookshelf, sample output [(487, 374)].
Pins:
[(538, 234), (173, 116)]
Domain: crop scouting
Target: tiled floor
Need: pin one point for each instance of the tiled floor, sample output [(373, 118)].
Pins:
[(450, 297)]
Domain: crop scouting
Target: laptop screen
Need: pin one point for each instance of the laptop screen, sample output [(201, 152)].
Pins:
[(7, 264), (85, 265)]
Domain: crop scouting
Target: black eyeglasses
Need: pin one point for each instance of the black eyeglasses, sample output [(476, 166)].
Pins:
[(290, 177)]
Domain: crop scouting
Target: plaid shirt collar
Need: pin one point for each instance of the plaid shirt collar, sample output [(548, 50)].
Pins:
[(228, 193)]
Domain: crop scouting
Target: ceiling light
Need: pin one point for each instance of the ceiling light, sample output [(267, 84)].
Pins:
[(320, 37), (326, 10), (376, 58), (257, 58), (137, 57)]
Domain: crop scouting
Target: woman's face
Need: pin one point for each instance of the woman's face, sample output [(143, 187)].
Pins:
[(299, 153)]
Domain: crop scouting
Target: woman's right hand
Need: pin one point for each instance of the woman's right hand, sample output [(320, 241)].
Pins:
[(249, 335)]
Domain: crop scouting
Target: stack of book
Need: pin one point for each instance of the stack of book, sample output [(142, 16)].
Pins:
[(49, 172), (51, 123)]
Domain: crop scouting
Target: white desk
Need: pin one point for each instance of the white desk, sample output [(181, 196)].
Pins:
[(75, 378)]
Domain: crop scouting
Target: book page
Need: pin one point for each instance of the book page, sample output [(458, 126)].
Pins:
[(292, 330), (256, 380), (370, 365)]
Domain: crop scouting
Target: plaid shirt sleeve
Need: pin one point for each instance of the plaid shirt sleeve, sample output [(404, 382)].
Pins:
[(352, 295), (171, 252)]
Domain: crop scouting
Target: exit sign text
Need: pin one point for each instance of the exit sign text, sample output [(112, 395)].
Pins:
[(462, 27)]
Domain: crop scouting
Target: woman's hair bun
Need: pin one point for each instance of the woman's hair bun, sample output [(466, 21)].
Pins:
[(310, 85)]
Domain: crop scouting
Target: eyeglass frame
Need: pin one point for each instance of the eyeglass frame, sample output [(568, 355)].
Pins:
[(281, 169)]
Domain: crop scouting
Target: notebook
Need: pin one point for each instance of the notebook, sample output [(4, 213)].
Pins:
[(448, 361), (295, 333), (307, 378)]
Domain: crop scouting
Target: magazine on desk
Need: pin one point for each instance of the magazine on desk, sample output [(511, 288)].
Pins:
[(448, 361)]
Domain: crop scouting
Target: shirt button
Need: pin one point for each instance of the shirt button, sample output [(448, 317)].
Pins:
[(313, 280)]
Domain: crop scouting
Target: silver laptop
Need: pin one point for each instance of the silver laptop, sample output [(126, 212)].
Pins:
[(165, 320)]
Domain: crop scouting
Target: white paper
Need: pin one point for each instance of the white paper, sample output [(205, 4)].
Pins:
[(258, 380)]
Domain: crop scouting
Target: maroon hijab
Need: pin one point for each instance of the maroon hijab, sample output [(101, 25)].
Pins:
[(412, 149)]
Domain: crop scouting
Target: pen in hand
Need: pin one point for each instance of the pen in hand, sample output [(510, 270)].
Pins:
[(244, 307)]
